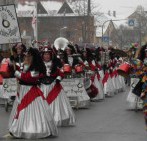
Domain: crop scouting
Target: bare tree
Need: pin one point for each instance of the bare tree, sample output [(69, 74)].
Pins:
[(127, 35)]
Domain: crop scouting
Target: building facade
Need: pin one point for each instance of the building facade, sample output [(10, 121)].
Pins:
[(77, 29)]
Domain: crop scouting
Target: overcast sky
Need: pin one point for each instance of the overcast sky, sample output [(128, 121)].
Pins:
[(123, 7)]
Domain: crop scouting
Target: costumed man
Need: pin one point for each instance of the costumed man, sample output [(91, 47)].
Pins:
[(53, 91), (30, 117)]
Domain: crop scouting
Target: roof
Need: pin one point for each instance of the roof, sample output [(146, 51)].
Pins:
[(105, 19), (65, 8), (41, 9), (51, 8), (99, 29), (25, 10)]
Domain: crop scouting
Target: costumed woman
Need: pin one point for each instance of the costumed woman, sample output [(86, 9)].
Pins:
[(90, 68), (32, 117), (18, 55), (16, 59), (72, 60), (100, 74), (53, 91)]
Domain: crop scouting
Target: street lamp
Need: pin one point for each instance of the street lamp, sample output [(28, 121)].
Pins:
[(61, 30), (105, 23)]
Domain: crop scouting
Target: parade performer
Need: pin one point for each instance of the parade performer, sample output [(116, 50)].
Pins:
[(73, 60), (18, 56), (16, 60), (53, 91), (132, 99), (100, 74), (143, 84), (90, 65), (120, 78), (137, 70), (32, 117), (69, 57)]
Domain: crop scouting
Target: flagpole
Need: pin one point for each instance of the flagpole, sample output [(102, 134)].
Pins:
[(36, 22)]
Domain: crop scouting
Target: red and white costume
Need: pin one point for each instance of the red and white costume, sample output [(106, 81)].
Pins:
[(56, 97), (31, 116), (96, 80)]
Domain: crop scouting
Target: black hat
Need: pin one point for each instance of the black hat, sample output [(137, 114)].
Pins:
[(71, 47), (14, 48)]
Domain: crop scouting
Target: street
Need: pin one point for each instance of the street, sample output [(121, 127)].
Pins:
[(108, 120)]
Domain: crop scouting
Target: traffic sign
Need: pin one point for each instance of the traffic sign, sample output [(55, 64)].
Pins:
[(106, 39), (131, 22)]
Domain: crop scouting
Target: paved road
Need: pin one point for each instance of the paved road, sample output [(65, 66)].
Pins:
[(103, 121)]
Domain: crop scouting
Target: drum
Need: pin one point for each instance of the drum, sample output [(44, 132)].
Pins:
[(124, 69), (4, 70), (67, 68), (92, 91), (1, 80), (78, 68)]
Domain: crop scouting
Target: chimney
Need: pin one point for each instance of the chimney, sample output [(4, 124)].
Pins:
[(109, 13), (114, 13)]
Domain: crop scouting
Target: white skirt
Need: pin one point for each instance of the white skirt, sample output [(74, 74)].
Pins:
[(99, 86), (118, 85), (31, 120), (122, 81), (114, 84), (133, 101), (108, 87), (101, 72), (60, 107), (111, 87)]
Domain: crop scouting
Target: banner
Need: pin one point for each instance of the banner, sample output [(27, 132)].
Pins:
[(9, 29), (73, 87), (75, 91), (9, 87)]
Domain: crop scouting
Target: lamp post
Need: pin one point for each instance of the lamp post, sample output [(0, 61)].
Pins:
[(61, 30)]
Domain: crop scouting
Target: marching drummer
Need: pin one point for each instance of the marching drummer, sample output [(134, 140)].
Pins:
[(69, 56), (53, 91), (18, 55), (16, 60), (53, 65), (30, 117)]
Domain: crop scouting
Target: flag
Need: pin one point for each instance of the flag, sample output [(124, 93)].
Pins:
[(34, 23)]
